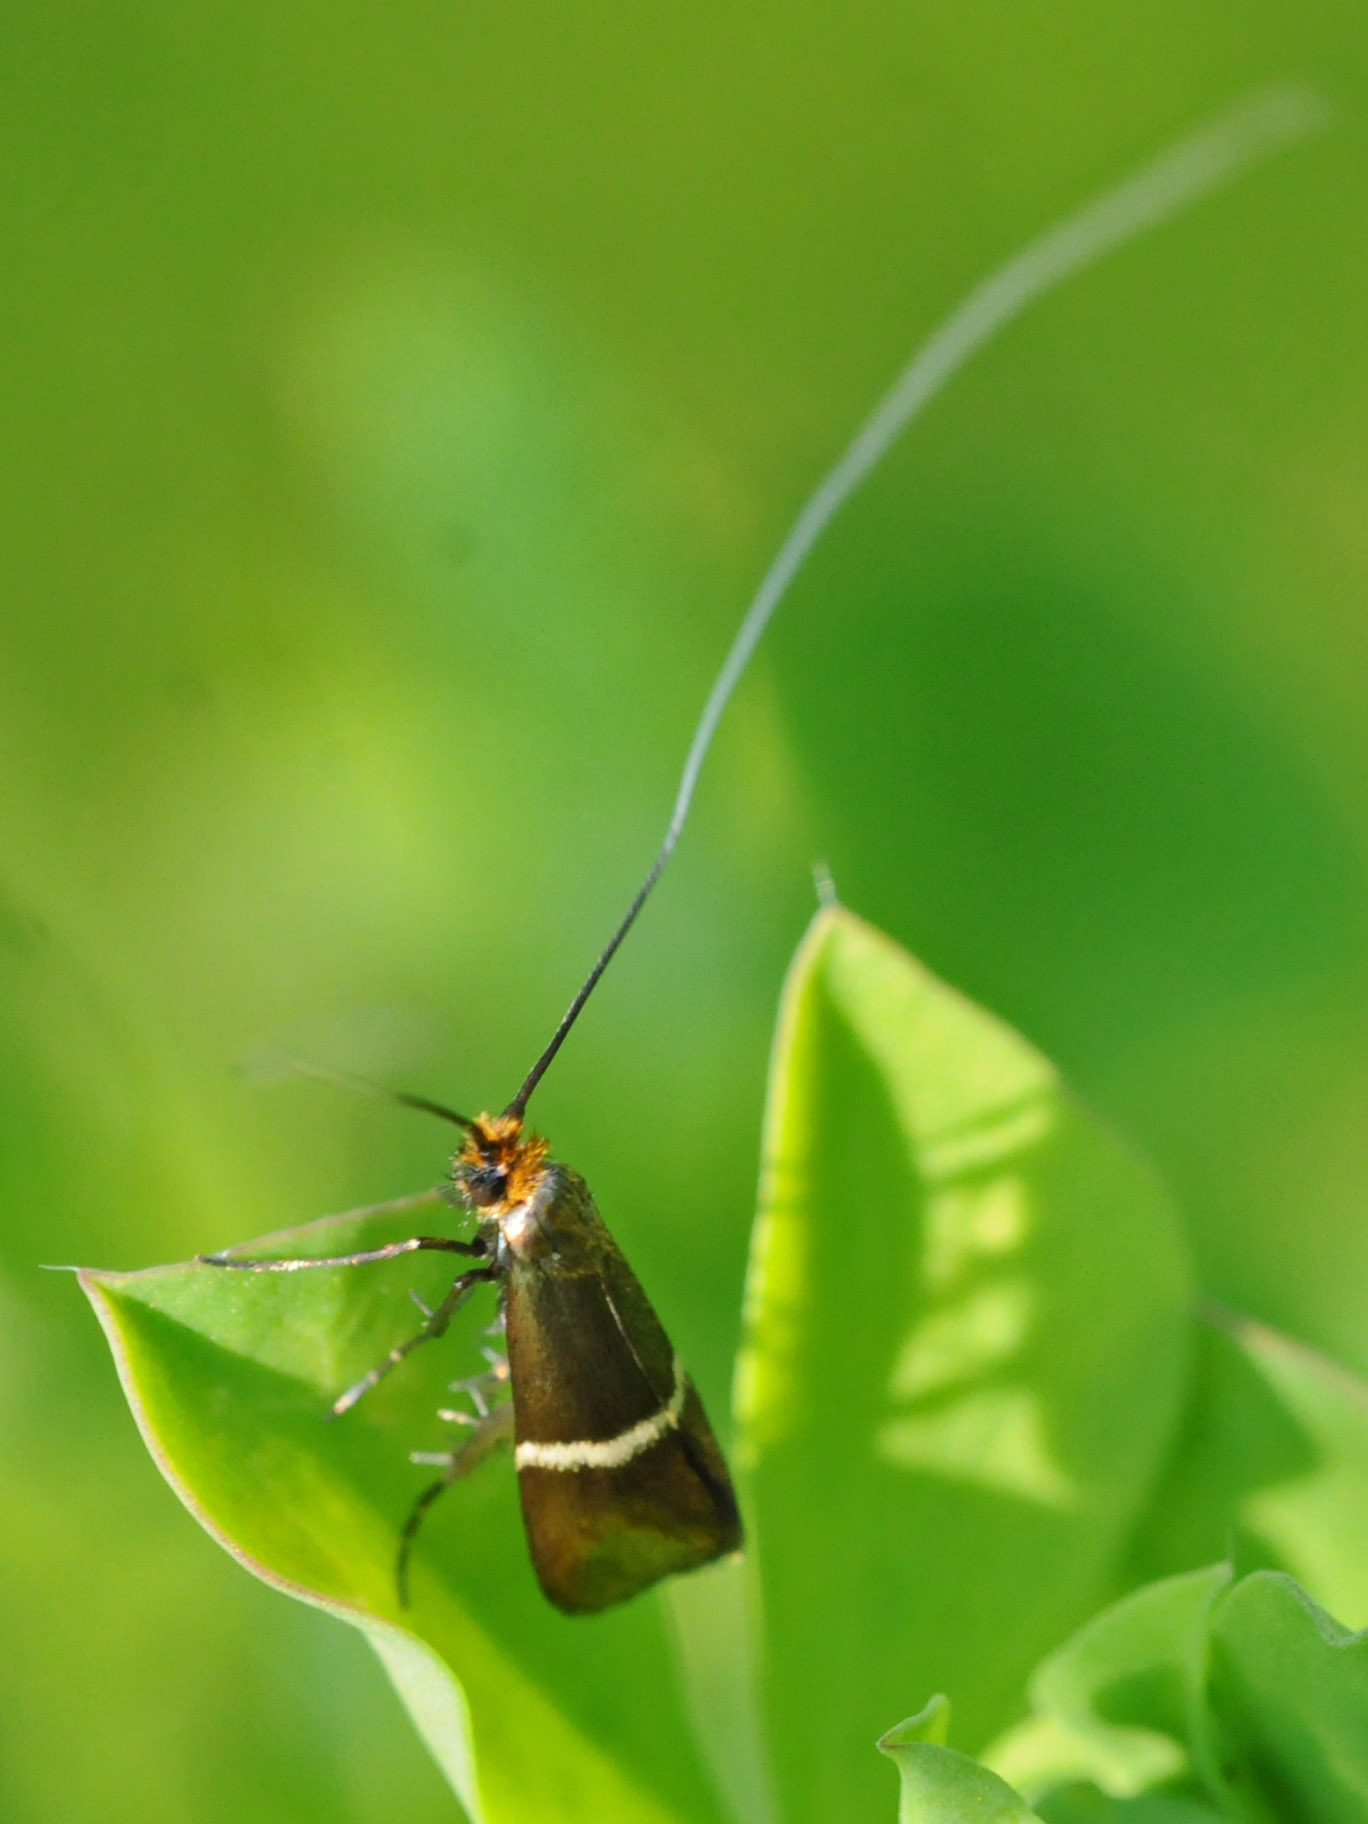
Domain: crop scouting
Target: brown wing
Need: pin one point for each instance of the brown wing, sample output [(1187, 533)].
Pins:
[(621, 1478)]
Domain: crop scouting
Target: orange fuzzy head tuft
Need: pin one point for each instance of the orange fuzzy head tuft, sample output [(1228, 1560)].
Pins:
[(498, 1165)]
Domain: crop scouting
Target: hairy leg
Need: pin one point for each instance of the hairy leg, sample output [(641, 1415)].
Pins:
[(486, 1435), (434, 1326)]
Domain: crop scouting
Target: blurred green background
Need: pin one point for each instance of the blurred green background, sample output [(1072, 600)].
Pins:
[(399, 405)]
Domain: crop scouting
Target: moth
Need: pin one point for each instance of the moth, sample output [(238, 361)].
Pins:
[(621, 1478)]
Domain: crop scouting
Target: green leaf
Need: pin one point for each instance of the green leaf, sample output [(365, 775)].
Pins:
[(1289, 1691), (940, 1786), (230, 1377), (965, 1346), (930, 1724), (1086, 1804), (717, 1646), (1271, 1467), (1193, 1694), (1122, 1703)]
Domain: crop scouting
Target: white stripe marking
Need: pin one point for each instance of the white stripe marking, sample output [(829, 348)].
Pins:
[(609, 1453)]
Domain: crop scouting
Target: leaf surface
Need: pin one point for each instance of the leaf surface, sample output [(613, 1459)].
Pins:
[(230, 1376), (1271, 1467), (1086, 1804), (1121, 1704), (1199, 1697), (966, 1335), (1289, 1690), (941, 1786)]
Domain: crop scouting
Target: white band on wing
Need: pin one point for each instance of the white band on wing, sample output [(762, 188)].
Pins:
[(609, 1453)]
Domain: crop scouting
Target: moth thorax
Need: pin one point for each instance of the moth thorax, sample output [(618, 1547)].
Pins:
[(520, 1227)]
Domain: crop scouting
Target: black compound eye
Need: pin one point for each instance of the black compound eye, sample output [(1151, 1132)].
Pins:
[(485, 1184)]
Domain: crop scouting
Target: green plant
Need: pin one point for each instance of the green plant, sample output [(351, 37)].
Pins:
[(1194, 1698), (973, 1406), (966, 1358)]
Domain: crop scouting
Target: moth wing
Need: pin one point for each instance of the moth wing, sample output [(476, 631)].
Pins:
[(621, 1479)]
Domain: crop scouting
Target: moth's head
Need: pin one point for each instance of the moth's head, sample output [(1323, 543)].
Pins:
[(499, 1164)]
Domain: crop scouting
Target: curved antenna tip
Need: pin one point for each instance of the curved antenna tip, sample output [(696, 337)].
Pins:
[(1187, 170)]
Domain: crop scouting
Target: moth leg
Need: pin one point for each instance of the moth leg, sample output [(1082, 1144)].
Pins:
[(415, 1244), (477, 1388), (434, 1327), (487, 1434)]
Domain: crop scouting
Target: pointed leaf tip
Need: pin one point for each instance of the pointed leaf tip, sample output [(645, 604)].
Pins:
[(941, 1786), (930, 1724)]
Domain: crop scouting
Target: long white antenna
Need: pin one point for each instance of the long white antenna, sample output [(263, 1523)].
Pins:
[(1184, 173)]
